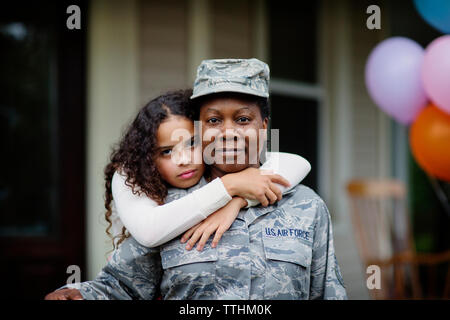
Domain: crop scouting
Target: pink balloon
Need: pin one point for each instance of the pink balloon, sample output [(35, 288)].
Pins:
[(393, 78), (436, 72)]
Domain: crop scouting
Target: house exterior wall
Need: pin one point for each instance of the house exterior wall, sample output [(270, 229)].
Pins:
[(232, 29), (163, 47), (112, 100)]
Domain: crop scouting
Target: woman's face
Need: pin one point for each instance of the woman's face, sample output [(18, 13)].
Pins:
[(176, 152), (237, 129)]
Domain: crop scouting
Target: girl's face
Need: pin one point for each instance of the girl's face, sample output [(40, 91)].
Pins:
[(175, 154)]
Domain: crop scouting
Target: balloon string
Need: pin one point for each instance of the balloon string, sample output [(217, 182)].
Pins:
[(440, 194)]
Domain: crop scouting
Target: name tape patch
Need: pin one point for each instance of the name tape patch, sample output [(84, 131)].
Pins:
[(293, 233)]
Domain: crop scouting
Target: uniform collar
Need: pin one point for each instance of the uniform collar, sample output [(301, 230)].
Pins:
[(175, 193), (253, 213)]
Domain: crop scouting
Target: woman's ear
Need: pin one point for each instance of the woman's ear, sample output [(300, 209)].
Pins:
[(264, 128), (262, 145), (265, 123)]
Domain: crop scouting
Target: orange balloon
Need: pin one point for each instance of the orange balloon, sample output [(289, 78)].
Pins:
[(429, 138)]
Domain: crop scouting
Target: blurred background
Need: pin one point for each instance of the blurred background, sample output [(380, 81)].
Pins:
[(67, 95)]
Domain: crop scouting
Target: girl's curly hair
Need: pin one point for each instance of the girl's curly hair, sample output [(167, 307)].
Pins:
[(135, 153)]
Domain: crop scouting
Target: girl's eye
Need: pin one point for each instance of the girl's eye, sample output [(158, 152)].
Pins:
[(166, 152), (213, 120)]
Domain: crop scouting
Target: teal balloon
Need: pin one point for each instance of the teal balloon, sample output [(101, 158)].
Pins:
[(436, 13)]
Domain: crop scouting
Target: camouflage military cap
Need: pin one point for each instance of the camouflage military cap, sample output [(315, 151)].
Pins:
[(250, 76)]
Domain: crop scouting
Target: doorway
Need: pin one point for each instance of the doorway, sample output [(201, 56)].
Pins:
[(42, 116)]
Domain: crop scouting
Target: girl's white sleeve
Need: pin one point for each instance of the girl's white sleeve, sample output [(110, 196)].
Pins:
[(292, 167), (151, 224)]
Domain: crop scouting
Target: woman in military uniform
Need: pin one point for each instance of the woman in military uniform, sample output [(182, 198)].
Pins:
[(282, 251)]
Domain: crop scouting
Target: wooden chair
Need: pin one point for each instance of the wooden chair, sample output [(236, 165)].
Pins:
[(383, 232)]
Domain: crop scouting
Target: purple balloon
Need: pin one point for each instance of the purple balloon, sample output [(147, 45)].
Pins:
[(393, 78), (436, 72)]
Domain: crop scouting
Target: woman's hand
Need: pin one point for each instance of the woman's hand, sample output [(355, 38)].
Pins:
[(251, 183), (64, 294), (218, 222)]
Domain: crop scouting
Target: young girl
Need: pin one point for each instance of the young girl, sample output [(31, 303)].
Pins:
[(142, 169)]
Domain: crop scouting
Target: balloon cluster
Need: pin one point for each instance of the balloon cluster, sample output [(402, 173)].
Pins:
[(412, 85)]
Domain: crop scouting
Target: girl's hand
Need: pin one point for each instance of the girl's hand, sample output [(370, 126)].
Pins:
[(218, 222), (251, 183)]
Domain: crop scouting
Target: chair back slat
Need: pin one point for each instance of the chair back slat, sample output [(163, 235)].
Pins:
[(383, 232)]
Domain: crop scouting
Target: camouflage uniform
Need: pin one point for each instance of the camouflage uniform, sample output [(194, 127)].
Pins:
[(283, 251)]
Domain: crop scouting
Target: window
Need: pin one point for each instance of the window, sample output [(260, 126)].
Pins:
[(295, 93)]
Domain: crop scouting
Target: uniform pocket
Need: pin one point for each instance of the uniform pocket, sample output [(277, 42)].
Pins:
[(292, 251), (188, 274), (289, 268)]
